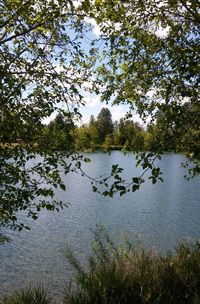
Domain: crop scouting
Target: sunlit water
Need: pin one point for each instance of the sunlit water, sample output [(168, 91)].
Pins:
[(158, 215)]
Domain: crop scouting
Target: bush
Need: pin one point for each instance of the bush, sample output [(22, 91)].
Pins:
[(37, 295), (134, 276), (127, 275)]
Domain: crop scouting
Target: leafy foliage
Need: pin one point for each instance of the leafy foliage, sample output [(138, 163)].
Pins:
[(104, 124), (151, 63), (58, 135), (37, 295), (42, 66), (125, 274)]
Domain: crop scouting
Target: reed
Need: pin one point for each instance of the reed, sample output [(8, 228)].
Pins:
[(126, 274), (30, 295)]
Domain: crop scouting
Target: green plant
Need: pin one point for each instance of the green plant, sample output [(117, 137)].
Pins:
[(126, 275), (37, 295)]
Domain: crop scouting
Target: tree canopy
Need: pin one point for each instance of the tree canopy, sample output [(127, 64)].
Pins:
[(149, 61), (42, 67), (152, 56), (104, 123)]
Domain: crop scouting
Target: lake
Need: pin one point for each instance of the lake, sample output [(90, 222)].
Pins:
[(159, 216)]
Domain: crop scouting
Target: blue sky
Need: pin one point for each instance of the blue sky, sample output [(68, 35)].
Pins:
[(93, 105)]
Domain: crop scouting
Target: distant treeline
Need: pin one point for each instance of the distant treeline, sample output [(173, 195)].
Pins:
[(103, 133)]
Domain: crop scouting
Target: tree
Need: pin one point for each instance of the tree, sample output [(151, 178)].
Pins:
[(131, 135), (104, 124), (109, 141), (151, 51), (149, 62), (93, 132), (82, 138), (42, 66), (59, 134)]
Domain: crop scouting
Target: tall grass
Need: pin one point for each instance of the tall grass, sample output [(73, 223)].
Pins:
[(36, 295), (127, 275)]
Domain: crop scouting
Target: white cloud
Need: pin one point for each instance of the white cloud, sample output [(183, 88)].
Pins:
[(151, 93), (95, 28), (84, 120), (76, 3), (47, 120), (93, 106), (162, 32), (185, 100), (59, 68), (117, 112), (120, 112), (92, 101)]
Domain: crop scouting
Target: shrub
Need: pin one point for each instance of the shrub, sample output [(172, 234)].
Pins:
[(37, 295), (128, 275)]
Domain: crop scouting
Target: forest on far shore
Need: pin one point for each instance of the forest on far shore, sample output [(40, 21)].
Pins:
[(102, 133)]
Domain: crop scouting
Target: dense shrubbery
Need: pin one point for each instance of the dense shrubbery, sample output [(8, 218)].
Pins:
[(127, 275), (133, 275)]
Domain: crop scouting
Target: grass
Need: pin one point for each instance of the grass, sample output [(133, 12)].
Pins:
[(35, 295), (127, 275), (133, 275)]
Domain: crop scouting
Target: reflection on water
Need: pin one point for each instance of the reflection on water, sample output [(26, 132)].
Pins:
[(160, 215)]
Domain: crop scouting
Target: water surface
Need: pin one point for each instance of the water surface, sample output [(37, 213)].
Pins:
[(159, 215)]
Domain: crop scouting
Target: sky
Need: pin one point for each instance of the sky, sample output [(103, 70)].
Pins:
[(93, 104)]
